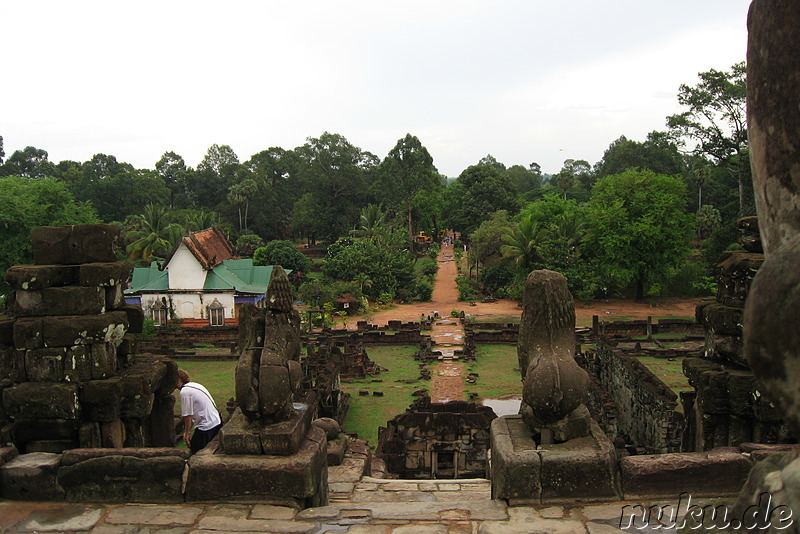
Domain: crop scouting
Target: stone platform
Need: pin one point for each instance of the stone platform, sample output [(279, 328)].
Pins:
[(415, 517), (580, 470)]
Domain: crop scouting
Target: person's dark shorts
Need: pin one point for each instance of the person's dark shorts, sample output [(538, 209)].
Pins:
[(201, 438)]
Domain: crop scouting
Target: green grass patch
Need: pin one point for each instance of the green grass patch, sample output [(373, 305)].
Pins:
[(495, 365), (368, 413), (669, 372)]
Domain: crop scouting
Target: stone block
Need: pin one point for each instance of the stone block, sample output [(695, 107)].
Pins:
[(70, 300), (32, 477), (516, 466), (55, 446), (582, 469), (238, 436), (33, 277), (702, 474), (25, 431), (69, 330), (45, 365), (721, 319), (135, 317), (28, 333), (300, 479), (106, 274), (122, 476), (115, 298), (101, 400), (336, 450), (112, 434), (141, 380), (7, 454), (12, 366), (73, 245), (42, 400), (579, 470), (89, 436), (6, 331), (78, 363), (104, 360), (161, 423)]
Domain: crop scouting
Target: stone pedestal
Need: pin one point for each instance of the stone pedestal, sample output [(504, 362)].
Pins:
[(525, 473), (299, 480), (239, 436)]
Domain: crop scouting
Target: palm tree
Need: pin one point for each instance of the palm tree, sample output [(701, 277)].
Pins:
[(520, 243), (371, 222), (155, 235), (363, 280), (200, 220)]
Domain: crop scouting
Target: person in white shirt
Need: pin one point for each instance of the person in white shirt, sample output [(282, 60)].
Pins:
[(198, 409)]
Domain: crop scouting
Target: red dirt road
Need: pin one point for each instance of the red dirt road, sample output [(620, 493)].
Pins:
[(445, 299)]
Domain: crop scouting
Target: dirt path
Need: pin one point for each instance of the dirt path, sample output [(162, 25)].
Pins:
[(446, 383)]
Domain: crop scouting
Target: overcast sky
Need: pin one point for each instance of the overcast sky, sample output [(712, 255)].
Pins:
[(523, 80)]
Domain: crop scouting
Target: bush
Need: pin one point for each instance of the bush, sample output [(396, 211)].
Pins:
[(149, 328), (282, 252), (247, 244), (426, 266), (423, 290), (467, 289), (691, 279)]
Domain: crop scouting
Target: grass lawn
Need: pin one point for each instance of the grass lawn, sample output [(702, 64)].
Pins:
[(670, 372), (495, 365), (369, 412)]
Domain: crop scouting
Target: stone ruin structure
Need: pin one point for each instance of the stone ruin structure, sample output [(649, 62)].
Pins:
[(553, 449), (322, 371), (770, 325), (70, 378), (726, 407), (74, 392), (437, 440)]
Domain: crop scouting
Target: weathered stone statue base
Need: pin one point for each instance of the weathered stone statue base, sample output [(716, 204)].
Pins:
[(239, 436), (527, 473), (299, 480)]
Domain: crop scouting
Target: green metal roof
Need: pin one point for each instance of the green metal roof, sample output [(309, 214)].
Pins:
[(240, 276), (148, 279)]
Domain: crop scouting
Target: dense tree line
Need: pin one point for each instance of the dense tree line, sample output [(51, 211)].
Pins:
[(624, 224)]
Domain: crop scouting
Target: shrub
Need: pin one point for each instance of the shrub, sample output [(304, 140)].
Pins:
[(467, 289)]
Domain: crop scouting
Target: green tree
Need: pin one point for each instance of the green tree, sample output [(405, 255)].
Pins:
[(284, 253), (371, 222), (27, 203), (240, 195), (275, 173), (155, 234), (487, 240), (637, 226), (31, 162), (335, 173), (658, 153), (716, 122), (387, 262), (127, 193), (172, 169), (218, 170), (488, 189), (247, 244), (406, 171), (520, 243)]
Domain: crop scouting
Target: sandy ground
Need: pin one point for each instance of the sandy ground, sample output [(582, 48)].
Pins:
[(445, 299)]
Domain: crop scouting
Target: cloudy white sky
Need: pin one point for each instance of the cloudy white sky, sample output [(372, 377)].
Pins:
[(523, 80)]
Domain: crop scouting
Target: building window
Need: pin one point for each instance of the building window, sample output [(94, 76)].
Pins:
[(159, 313), (216, 314)]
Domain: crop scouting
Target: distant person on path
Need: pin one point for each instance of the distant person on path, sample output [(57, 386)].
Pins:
[(198, 409)]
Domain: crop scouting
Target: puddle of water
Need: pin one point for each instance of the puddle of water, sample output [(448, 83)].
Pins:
[(503, 406)]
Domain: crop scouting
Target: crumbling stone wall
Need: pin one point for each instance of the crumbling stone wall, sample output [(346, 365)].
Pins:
[(727, 408), (69, 374), (645, 416)]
